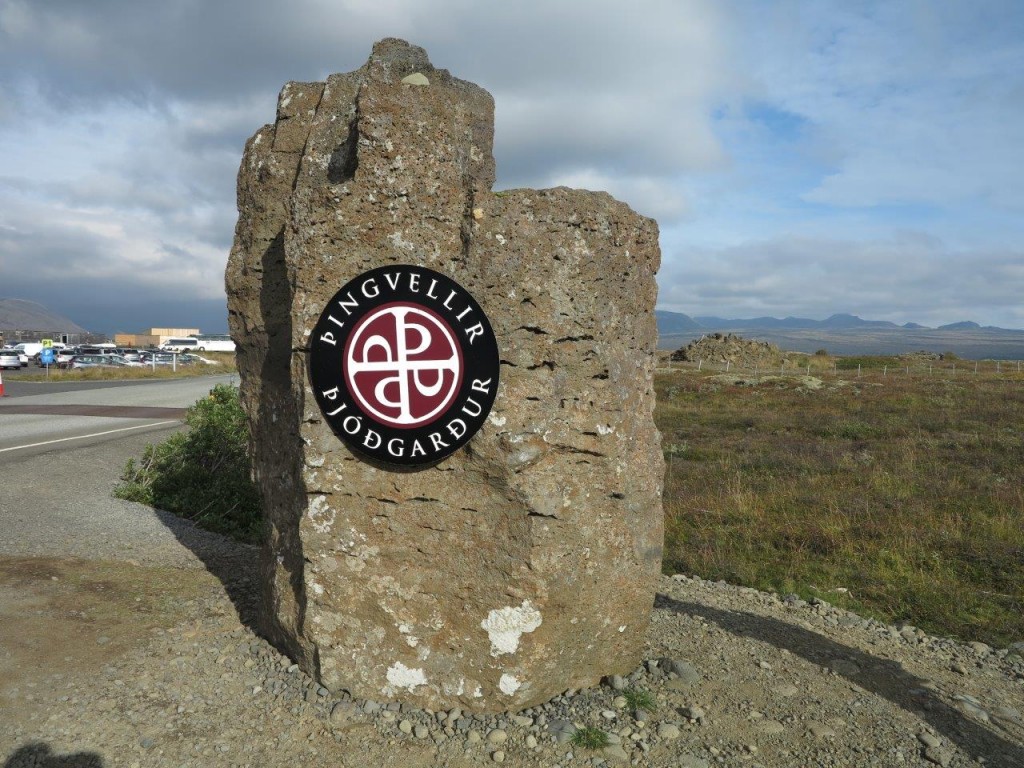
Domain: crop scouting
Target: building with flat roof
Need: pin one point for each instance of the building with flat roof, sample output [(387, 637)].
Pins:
[(153, 337)]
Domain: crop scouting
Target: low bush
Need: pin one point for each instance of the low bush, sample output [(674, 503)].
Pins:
[(204, 473)]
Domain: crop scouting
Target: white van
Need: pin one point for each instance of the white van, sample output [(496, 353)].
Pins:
[(185, 344)]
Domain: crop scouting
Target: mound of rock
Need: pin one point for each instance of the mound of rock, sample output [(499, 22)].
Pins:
[(727, 348)]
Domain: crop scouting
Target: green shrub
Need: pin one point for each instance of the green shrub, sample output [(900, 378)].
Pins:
[(590, 738), (640, 699), (202, 474)]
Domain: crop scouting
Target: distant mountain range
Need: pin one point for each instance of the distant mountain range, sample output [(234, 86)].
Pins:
[(848, 335), (677, 322), (22, 315)]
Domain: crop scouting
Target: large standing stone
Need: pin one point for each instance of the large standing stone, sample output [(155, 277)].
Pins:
[(524, 564)]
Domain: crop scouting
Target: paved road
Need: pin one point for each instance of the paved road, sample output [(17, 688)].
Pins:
[(57, 474), (40, 418)]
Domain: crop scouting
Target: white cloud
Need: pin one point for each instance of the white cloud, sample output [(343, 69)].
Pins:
[(790, 146), (909, 277)]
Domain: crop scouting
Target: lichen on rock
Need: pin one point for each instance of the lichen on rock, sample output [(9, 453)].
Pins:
[(502, 575)]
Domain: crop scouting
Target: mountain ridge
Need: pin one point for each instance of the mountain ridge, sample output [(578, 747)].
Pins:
[(22, 314), (676, 322)]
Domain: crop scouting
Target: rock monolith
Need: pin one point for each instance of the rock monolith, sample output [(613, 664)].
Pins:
[(523, 564)]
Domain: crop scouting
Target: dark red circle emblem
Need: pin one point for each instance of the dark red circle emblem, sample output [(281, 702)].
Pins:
[(404, 365)]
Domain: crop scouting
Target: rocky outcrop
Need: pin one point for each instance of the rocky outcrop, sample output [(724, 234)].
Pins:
[(525, 563), (728, 348)]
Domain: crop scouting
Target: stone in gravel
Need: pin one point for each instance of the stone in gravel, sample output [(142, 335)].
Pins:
[(608, 714), (686, 672), (821, 731), (474, 737), (342, 712), (531, 741), (363, 171), (693, 713), (771, 727), (938, 756), (668, 731), (497, 736), (562, 730), (844, 667), (617, 683), (1007, 713), (979, 648), (522, 721), (786, 690), (619, 702), (405, 726), (692, 761), (971, 706), (615, 753), (929, 740), (420, 731), (498, 756)]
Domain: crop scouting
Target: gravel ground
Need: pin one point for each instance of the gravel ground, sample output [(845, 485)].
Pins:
[(122, 654), (735, 677)]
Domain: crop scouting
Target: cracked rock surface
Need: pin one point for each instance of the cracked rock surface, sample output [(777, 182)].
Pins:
[(525, 564)]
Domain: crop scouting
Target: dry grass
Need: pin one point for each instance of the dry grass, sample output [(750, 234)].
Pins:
[(898, 497)]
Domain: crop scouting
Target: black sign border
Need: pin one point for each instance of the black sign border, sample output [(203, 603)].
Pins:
[(481, 363)]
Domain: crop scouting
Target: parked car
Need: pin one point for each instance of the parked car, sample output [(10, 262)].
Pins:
[(63, 357), (131, 355), (9, 358), (122, 360), (97, 361), (161, 358)]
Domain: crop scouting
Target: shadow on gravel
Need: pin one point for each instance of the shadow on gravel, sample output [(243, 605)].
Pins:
[(233, 563), (879, 676), (39, 755)]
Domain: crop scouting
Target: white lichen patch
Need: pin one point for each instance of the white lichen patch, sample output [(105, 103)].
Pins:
[(477, 693), (498, 421), (605, 429), (401, 676), (406, 631), (320, 514), (504, 626), (509, 684), (400, 242)]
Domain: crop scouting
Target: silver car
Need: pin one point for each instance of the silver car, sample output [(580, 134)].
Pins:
[(9, 359)]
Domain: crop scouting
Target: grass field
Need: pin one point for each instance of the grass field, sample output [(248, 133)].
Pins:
[(897, 497)]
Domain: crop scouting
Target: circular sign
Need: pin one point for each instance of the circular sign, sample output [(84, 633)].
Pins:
[(404, 365)]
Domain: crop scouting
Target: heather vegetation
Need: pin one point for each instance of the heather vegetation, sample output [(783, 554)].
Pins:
[(896, 496), (900, 497)]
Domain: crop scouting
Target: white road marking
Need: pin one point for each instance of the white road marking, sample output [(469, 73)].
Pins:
[(83, 437)]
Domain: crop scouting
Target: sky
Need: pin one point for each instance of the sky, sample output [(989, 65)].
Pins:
[(801, 158)]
